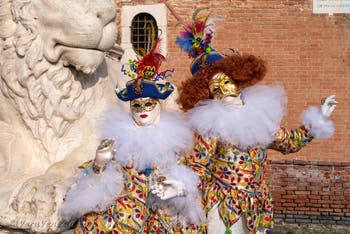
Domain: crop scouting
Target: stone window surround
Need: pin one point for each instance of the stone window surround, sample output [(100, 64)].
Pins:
[(158, 11)]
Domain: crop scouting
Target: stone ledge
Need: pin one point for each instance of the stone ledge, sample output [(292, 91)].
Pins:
[(309, 219), (304, 162), (302, 228)]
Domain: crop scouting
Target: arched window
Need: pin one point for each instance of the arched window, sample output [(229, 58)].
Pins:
[(144, 30)]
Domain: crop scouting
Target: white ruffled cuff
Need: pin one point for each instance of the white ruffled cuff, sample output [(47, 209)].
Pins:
[(93, 192), (319, 125), (188, 206)]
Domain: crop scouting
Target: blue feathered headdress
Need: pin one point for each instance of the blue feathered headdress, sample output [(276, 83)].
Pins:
[(197, 37), (196, 40)]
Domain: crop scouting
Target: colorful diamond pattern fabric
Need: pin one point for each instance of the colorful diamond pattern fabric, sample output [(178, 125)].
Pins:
[(133, 212), (235, 178)]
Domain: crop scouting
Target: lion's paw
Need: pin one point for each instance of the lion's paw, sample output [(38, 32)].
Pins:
[(36, 197)]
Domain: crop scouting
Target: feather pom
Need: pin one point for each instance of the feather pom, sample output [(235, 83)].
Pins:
[(197, 37), (149, 65), (320, 126), (93, 192)]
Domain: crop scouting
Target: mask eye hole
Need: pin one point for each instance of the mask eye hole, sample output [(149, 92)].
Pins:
[(226, 82), (148, 104), (215, 89), (136, 105)]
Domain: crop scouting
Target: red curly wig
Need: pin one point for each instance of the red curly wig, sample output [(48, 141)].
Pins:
[(245, 70)]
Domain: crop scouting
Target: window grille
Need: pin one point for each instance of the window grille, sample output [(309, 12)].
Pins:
[(144, 31)]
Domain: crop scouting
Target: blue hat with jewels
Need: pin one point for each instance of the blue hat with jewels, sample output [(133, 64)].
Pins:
[(144, 74), (148, 88), (204, 60)]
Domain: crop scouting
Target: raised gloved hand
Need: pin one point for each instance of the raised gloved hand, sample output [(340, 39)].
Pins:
[(104, 154), (167, 189), (328, 106)]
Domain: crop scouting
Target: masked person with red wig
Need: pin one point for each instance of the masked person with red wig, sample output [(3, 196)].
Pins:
[(236, 122), (139, 187)]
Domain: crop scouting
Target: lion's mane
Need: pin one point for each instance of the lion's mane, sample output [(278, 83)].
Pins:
[(49, 97)]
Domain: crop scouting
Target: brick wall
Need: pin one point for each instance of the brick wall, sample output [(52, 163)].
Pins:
[(310, 191), (308, 54)]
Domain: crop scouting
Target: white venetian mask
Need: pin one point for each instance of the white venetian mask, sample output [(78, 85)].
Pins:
[(145, 111)]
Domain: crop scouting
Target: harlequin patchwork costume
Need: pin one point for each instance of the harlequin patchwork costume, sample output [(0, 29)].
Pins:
[(236, 121), (130, 195)]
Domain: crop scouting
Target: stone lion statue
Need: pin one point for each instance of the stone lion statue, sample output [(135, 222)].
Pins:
[(53, 87)]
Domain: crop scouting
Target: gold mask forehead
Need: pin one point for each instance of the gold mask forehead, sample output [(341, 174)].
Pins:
[(218, 77), (221, 85)]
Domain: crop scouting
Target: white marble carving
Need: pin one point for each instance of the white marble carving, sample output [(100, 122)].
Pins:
[(54, 85)]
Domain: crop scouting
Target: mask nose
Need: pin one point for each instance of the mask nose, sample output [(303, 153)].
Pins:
[(223, 88)]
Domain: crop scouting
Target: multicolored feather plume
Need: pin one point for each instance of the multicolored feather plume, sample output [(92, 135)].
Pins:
[(197, 37), (147, 66)]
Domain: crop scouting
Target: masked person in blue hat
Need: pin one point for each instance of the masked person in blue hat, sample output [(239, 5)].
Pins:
[(139, 187), (236, 121)]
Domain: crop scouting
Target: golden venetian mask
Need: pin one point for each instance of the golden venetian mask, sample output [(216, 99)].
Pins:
[(221, 86)]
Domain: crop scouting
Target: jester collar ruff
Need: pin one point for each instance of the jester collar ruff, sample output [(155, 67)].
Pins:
[(144, 147), (253, 124)]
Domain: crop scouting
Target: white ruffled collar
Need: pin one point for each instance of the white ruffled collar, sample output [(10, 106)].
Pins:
[(253, 124), (143, 147)]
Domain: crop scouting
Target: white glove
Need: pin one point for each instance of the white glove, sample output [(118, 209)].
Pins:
[(328, 106), (263, 231), (104, 154), (168, 189)]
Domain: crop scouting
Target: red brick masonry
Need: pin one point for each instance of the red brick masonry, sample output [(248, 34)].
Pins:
[(310, 191)]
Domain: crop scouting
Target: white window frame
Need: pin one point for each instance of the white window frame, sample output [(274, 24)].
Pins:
[(160, 14)]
